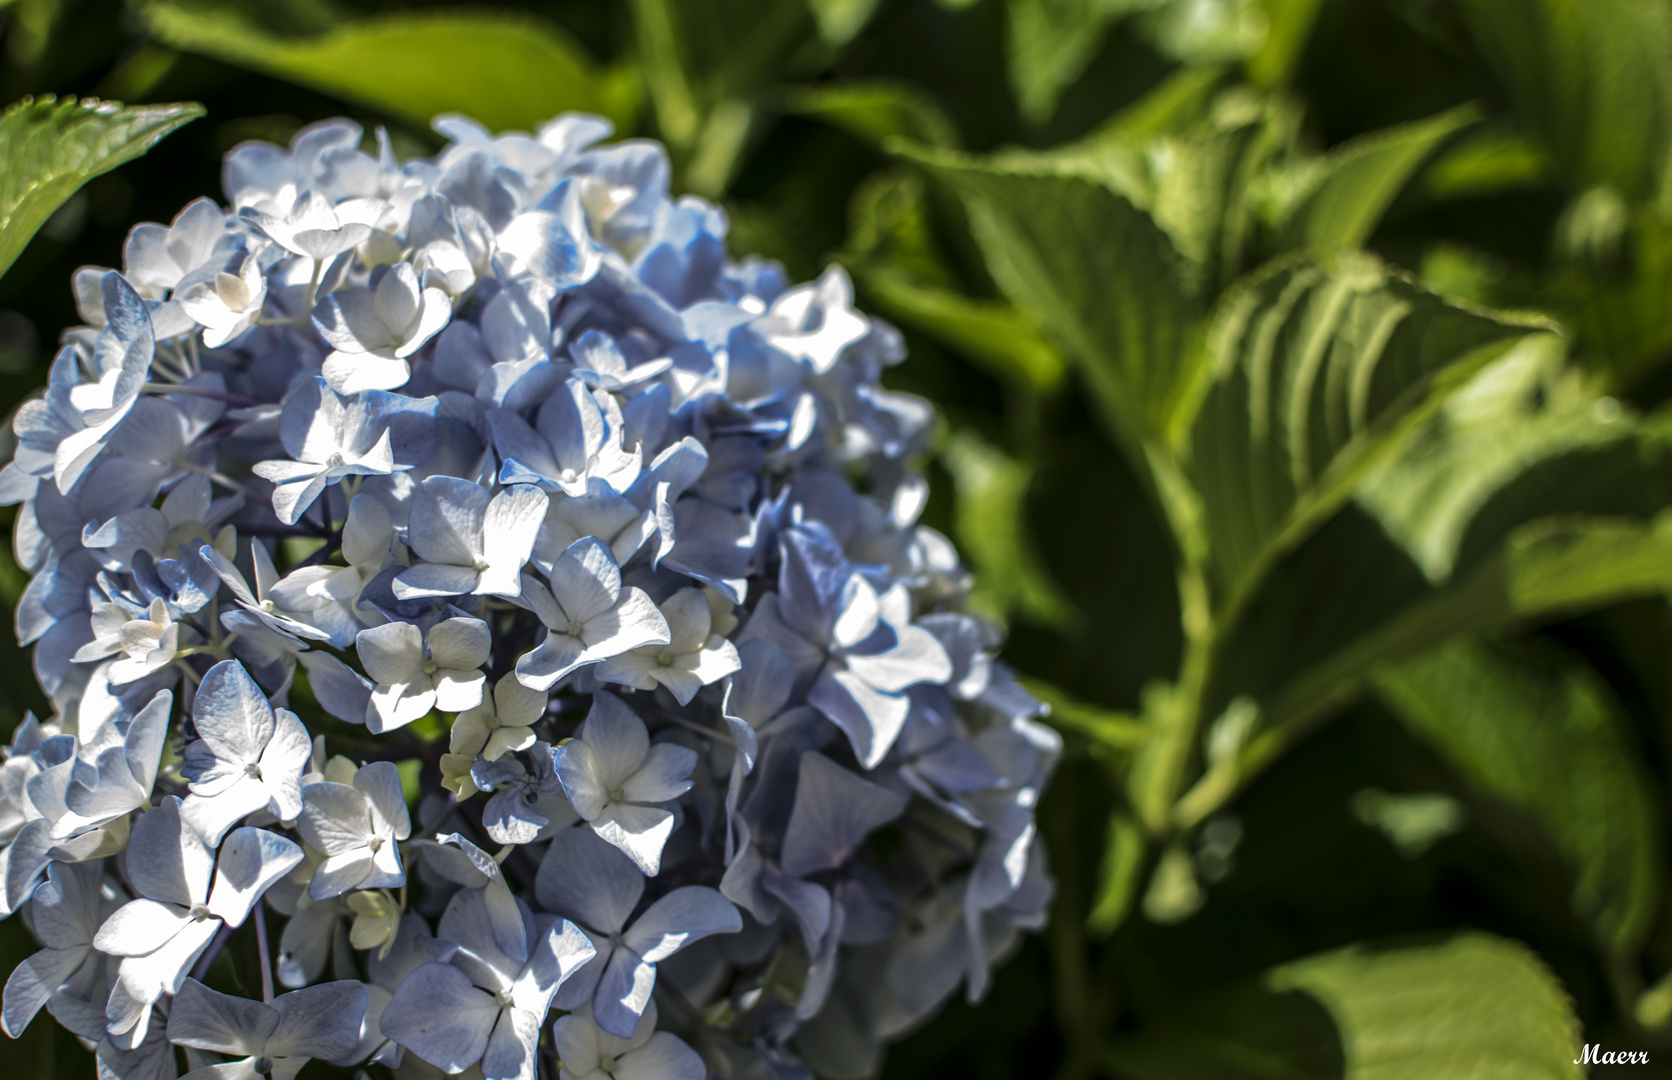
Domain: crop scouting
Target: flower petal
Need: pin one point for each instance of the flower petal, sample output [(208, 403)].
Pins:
[(585, 580), (320, 1022), (460, 644), (583, 878), (623, 993), (438, 1015), (662, 776), (392, 653), (581, 774), (640, 831), (665, 1057), (686, 914), (251, 861), (206, 1019), (617, 735), (834, 811)]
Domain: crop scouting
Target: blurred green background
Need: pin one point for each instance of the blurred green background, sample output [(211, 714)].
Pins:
[(1304, 369)]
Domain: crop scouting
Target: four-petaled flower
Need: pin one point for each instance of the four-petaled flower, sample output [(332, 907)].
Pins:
[(374, 330), (312, 227), (616, 780), (329, 436), (328, 595), (147, 641), (273, 1040), (179, 907), (414, 676), (225, 298), (501, 724), (584, 879), (692, 658), (479, 1004), (358, 829), (67, 912), (469, 542), (248, 756), (588, 1052), (589, 615)]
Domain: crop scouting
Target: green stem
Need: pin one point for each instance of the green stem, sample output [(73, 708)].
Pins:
[(313, 289), (1159, 773)]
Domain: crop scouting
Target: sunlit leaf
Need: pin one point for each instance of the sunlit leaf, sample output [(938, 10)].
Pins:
[(1349, 190), (1192, 155), (1545, 737), (1526, 409), (1524, 497), (1485, 160), (1475, 1006), (1094, 272), (510, 71), (1319, 369), (50, 148)]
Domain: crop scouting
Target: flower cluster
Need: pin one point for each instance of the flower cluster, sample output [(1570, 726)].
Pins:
[(670, 747)]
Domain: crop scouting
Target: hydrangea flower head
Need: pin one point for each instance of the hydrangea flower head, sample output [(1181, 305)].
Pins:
[(590, 551)]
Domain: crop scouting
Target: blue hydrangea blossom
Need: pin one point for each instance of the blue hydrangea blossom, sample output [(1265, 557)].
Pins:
[(537, 599)]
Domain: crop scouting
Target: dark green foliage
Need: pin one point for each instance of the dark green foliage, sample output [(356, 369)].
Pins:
[(1305, 370)]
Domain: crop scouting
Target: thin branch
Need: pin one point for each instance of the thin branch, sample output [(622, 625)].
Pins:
[(209, 954), (202, 391), (261, 947)]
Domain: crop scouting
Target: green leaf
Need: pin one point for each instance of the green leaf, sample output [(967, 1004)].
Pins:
[(1051, 42), (1093, 271), (875, 110), (1523, 497), (1319, 371), (893, 257), (990, 524), (1543, 734), (1288, 26), (1488, 159), (992, 334), (841, 20), (1246, 1033), (1349, 190), (1192, 156), (1174, 106), (1546, 568), (50, 148), (1592, 78), (1524, 410), (696, 55), (509, 71), (1475, 1006)]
